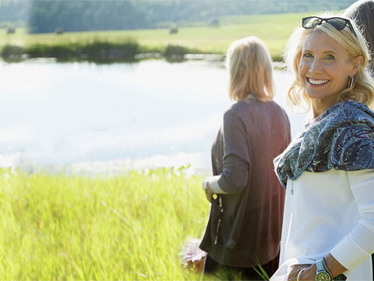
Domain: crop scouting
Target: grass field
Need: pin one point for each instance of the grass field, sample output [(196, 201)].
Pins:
[(273, 29), (128, 227)]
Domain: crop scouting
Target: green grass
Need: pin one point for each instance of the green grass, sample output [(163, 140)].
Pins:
[(273, 29), (126, 227)]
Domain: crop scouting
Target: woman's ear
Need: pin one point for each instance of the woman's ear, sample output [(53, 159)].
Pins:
[(357, 62)]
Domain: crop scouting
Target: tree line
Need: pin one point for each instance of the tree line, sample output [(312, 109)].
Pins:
[(87, 15)]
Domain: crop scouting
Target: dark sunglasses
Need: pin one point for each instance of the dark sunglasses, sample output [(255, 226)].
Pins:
[(338, 23)]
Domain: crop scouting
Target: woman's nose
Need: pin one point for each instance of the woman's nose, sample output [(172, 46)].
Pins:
[(315, 66)]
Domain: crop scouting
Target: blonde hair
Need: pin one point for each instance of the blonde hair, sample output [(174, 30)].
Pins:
[(362, 89), (250, 68)]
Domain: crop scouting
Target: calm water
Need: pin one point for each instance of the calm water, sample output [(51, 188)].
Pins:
[(101, 118)]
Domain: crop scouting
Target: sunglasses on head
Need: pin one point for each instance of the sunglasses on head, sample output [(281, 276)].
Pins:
[(338, 23)]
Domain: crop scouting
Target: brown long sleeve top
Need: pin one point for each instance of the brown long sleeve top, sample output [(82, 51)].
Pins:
[(244, 226)]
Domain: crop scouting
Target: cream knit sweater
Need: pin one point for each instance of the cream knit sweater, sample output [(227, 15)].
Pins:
[(329, 212)]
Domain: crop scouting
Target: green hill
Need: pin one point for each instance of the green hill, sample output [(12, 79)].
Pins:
[(274, 30)]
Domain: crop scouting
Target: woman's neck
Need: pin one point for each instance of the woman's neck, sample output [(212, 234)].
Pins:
[(320, 106)]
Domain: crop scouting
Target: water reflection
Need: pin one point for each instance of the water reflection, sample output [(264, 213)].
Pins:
[(104, 117)]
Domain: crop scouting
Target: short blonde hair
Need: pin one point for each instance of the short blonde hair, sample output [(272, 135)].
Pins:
[(250, 68), (362, 89)]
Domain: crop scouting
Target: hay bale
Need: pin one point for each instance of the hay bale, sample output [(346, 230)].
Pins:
[(59, 30), (173, 30), (10, 30)]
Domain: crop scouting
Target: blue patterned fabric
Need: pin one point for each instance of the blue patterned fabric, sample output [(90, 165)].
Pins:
[(341, 138)]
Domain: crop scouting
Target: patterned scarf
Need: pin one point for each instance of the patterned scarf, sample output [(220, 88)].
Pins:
[(341, 138)]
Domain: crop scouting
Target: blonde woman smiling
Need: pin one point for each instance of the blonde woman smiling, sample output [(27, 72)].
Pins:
[(328, 169)]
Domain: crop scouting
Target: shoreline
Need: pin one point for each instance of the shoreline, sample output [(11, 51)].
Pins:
[(107, 52)]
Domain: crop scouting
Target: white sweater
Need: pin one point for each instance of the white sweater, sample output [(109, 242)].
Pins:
[(329, 212)]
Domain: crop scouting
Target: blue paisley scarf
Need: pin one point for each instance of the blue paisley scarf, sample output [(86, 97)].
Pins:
[(341, 138)]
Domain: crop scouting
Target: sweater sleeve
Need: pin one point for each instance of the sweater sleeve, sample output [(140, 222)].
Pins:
[(236, 156), (358, 245)]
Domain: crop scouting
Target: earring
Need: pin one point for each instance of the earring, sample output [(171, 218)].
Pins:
[(350, 83)]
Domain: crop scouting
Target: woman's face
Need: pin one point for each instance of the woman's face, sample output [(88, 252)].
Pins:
[(325, 68)]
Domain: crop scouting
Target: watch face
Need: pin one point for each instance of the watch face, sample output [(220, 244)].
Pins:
[(323, 276)]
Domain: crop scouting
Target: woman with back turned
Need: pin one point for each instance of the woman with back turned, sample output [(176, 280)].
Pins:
[(244, 227), (328, 169)]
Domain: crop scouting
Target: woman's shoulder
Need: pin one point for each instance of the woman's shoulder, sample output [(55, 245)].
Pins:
[(351, 109), (254, 108), (346, 114), (254, 104), (240, 109)]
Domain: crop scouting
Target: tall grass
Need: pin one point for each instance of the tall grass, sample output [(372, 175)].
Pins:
[(126, 227)]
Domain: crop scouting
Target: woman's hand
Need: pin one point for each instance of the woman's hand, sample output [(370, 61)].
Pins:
[(209, 196), (309, 272), (302, 272), (208, 191)]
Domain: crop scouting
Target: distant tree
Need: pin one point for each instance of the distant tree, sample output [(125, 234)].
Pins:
[(87, 15), (14, 12), (46, 16)]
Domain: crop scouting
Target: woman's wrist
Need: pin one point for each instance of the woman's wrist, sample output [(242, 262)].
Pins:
[(301, 272), (334, 266), (309, 273)]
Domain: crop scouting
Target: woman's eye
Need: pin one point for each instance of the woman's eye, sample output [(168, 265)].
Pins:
[(330, 57), (307, 55)]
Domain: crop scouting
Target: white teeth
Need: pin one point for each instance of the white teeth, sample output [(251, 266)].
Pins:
[(317, 82)]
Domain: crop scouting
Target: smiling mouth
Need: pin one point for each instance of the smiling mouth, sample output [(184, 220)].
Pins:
[(317, 82)]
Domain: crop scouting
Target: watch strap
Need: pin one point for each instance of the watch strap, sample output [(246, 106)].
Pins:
[(322, 267), (340, 277), (322, 273)]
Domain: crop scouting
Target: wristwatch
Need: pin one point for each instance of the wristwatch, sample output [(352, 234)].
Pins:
[(323, 274)]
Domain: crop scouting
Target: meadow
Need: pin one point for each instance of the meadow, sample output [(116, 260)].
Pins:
[(131, 226), (273, 29)]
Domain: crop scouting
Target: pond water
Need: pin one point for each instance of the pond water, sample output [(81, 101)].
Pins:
[(103, 118)]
